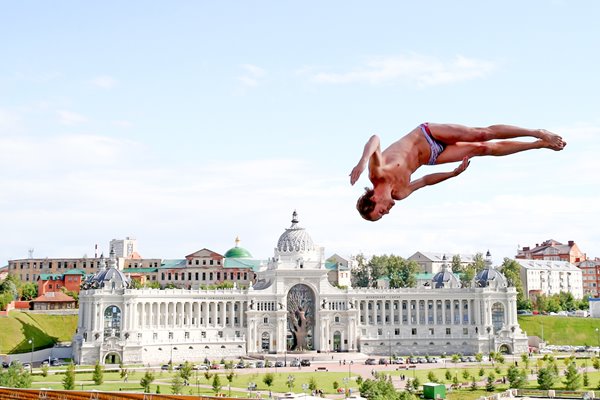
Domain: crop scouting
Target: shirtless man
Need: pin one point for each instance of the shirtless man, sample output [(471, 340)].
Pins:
[(431, 144)]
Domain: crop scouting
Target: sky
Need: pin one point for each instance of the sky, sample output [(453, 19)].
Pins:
[(186, 124)]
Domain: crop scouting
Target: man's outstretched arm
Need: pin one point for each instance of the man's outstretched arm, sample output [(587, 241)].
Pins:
[(371, 155), (436, 178)]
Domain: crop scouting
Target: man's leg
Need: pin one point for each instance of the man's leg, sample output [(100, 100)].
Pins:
[(452, 133), (458, 151)]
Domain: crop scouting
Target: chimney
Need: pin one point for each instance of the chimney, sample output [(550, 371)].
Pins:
[(571, 243)]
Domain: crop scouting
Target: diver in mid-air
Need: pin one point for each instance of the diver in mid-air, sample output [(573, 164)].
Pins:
[(430, 144)]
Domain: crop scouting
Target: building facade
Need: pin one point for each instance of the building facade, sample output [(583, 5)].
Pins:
[(550, 277), (590, 270), (292, 307), (431, 262), (551, 250)]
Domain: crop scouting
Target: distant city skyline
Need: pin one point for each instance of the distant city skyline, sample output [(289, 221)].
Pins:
[(188, 124)]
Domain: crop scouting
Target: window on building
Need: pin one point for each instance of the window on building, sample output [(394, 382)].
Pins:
[(186, 335), (203, 334), (238, 334), (448, 331), (170, 335), (211, 262), (414, 331), (155, 336), (204, 276), (397, 331), (218, 276), (266, 320), (465, 331), (431, 332), (220, 334), (379, 332)]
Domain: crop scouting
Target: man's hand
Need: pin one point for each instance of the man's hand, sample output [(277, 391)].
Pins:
[(357, 171), (463, 165)]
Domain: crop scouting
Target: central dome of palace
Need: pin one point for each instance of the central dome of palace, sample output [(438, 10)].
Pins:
[(295, 238)]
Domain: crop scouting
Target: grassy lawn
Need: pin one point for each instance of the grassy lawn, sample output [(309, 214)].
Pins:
[(46, 330), (562, 330), (324, 380)]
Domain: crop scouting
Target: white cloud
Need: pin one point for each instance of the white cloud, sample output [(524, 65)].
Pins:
[(70, 118), (104, 82), (413, 68), (10, 121), (252, 75), (122, 123)]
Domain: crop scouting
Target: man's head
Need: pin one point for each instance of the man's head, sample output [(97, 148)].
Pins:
[(372, 206)]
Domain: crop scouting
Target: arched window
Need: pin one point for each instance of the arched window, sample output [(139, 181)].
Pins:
[(112, 322), (497, 316)]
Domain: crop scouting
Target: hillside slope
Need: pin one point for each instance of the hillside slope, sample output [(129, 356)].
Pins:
[(46, 330)]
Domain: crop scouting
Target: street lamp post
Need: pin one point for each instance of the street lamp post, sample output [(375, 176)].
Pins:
[(598, 337), (31, 363)]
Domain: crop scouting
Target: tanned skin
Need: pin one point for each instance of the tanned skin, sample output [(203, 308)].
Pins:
[(390, 171)]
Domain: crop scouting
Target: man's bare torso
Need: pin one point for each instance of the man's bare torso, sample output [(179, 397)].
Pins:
[(400, 160)]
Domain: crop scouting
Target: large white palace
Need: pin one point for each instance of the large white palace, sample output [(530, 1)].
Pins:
[(292, 306)]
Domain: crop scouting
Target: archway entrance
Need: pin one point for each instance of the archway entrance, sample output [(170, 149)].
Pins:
[(301, 317), (337, 341), (112, 358), (265, 341), (504, 349)]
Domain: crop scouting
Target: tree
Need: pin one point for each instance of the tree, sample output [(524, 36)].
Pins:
[(473, 384), (525, 360), (466, 375), (431, 377), (15, 376), (69, 379), (186, 371), (268, 379), (216, 383), (29, 291), (456, 264), (45, 370), (98, 375), (381, 389), (416, 383), (361, 276), (572, 377), (312, 383), (230, 375), (516, 377), (290, 382), (586, 379), (146, 381), (176, 384), (512, 271), (489, 385), (546, 377), (448, 375), (596, 362)]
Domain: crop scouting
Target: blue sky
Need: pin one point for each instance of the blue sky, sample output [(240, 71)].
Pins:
[(187, 123)]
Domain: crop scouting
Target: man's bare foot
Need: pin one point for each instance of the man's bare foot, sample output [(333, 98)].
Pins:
[(552, 140)]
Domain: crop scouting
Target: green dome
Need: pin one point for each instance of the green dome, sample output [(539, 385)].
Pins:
[(237, 251)]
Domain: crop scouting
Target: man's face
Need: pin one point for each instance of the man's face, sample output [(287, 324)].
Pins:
[(382, 207)]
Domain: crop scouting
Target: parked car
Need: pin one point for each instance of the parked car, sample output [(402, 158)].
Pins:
[(294, 363), (55, 362), (215, 366), (268, 364), (240, 365), (370, 361), (164, 367), (278, 364), (383, 361), (260, 364), (27, 366), (305, 362), (5, 364)]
